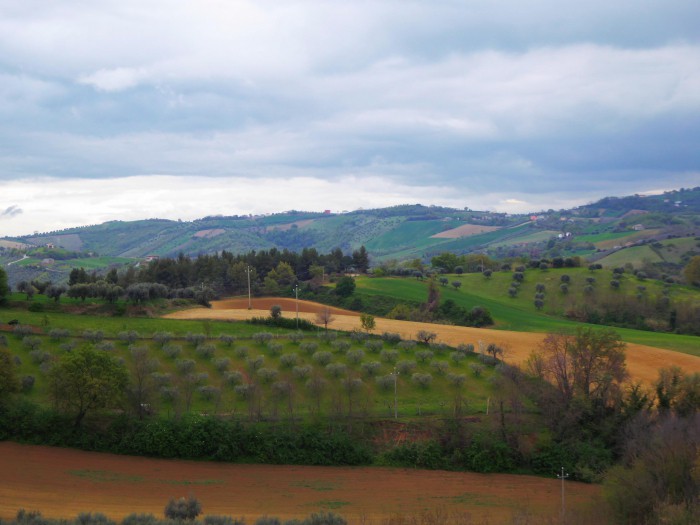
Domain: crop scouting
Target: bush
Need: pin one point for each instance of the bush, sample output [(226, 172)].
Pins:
[(406, 367), (336, 369), (340, 347), (391, 338), (162, 338), (185, 366), (308, 348), (140, 519), (90, 518), (275, 348), (386, 382), (374, 347), (371, 368), (223, 520), (355, 356), (205, 350), (195, 339), (407, 346), (172, 351), (227, 339), (322, 358), (289, 360), (233, 378), (324, 519), (183, 509), (27, 384), (422, 380), (221, 363), (262, 337)]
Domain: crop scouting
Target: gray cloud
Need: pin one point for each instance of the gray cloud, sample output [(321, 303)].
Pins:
[(531, 96), (10, 212)]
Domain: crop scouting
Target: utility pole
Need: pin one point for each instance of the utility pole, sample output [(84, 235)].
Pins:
[(296, 295), (250, 303), (562, 477), (396, 405)]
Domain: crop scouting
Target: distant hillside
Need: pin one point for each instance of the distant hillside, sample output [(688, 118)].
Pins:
[(600, 231)]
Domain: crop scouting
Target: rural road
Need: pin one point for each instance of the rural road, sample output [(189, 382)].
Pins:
[(643, 362)]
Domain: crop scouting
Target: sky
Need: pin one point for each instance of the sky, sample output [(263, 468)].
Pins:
[(133, 109)]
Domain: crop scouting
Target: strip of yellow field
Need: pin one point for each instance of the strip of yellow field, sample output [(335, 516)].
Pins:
[(643, 362)]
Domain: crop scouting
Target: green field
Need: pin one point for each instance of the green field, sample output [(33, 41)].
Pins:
[(520, 313), (331, 358)]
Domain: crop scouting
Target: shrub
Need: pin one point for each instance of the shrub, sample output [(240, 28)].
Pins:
[(322, 358), (27, 383), (228, 340), (406, 367), (386, 382), (140, 519), (302, 372), (262, 337), (424, 355), (358, 336), (457, 357), (94, 336), (161, 379), (89, 518), (185, 366), (56, 334), (308, 348), (457, 380), (407, 346), (223, 520), (336, 369), (39, 356), (371, 368), (169, 393), (374, 347), (267, 375), (391, 338), (195, 339), (31, 342), (440, 367), (105, 346), (341, 347), (254, 363), (205, 350), (275, 348), (289, 360), (355, 356), (162, 338), (389, 356), (241, 352), (22, 330), (221, 363), (296, 337), (233, 378), (209, 392), (128, 337), (183, 509), (172, 350), (467, 349), (324, 518), (422, 380)]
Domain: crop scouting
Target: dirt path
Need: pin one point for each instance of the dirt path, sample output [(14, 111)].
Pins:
[(643, 362), (62, 483)]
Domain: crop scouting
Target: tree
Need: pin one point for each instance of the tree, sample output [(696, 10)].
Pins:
[(345, 286), (691, 271), (4, 288), (142, 388), (85, 380), (275, 311), (9, 384), (368, 322), (456, 284), (183, 509), (589, 365), (325, 317), (360, 259)]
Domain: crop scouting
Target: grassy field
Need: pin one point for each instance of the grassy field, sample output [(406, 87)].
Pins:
[(248, 360), (520, 313)]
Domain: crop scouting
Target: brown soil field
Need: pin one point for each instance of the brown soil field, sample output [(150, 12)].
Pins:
[(643, 362), (61, 483), (464, 231)]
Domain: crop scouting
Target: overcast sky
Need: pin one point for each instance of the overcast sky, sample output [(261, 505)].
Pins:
[(130, 109)]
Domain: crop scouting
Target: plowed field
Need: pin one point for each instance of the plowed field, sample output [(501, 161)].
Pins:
[(643, 362), (62, 483)]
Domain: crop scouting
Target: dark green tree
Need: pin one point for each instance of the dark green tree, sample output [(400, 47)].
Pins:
[(9, 383), (360, 259), (86, 380), (345, 286), (4, 288)]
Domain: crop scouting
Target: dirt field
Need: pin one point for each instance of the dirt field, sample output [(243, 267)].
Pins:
[(643, 362), (465, 231), (62, 483)]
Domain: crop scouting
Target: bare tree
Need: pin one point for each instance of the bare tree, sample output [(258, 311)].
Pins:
[(589, 364), (324, 317)]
